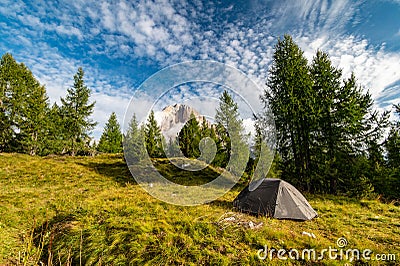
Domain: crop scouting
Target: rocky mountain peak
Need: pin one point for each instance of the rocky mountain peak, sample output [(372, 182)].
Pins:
[(173, 117)]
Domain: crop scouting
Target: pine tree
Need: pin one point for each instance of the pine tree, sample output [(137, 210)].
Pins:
[(76, 111), (226, 112), (34, 129), (173, 148), (347, 125), (291, 99), (8, 70), (208, 142), (322, 121), (391, 180), (327, 136), (153, 138), (263, 147), (111, 139), (258, 141), (392, 144), (55, 131), (23, 108), (134, 142), (189, 138), (205, 129), (232, 145)]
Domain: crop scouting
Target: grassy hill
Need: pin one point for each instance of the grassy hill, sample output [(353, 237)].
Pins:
[(89, 210)]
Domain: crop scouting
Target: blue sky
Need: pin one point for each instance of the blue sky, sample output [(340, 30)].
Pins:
[(121, 43)]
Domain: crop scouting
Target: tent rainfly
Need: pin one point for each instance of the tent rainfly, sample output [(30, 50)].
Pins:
[(275, 198)]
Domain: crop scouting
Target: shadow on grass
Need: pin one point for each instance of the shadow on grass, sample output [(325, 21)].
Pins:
[(184, 177), (118, 171), (227, 205)]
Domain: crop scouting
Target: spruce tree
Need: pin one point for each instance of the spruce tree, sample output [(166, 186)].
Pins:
[(34, 129), (347, 127), (76, 111), (231, 134), (205, 128), (55, 131), (23, 108), (323, 122), (392, 144), (291, 98), (208, 142), (391, 181), (263, 147), (173, 148), (227, 111), (327, 135), (134, 144), (8, 73), (189, 138), (111, 139), (153, 138), (258, 141)]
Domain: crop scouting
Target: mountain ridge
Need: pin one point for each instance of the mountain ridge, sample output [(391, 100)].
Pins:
[(173, 117)]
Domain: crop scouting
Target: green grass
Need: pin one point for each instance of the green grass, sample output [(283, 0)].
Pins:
[(89, 210), (183, 177)]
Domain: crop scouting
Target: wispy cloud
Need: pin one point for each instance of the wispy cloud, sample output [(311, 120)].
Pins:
[(375, 68), (118, 41)]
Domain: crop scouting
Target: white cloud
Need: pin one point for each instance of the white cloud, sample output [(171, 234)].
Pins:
[(10, 8), (376, 69), (105, 104), (166, 32), (69, 30), (31, 21), (152, 28), (45, 65), (36, 23)]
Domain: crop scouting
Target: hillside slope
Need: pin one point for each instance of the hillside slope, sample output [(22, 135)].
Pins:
[(89, 210)]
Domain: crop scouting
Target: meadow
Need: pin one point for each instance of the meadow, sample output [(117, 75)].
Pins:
[(61, 210)]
